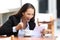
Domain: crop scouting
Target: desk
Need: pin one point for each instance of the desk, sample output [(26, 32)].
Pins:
[(30, 38)]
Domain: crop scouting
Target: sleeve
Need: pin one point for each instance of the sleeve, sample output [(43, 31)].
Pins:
[(14, 29), (7, 27)]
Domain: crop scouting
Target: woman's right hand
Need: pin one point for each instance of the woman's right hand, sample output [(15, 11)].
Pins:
[(19, 26)]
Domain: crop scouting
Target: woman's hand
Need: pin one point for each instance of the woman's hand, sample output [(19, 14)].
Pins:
[(19, 26)]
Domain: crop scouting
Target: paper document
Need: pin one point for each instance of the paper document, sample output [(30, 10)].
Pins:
[(8, 38)]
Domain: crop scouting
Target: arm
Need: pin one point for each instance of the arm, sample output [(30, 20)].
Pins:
[(7, 27)]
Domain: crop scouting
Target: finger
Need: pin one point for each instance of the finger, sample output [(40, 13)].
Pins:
[(21, 24)]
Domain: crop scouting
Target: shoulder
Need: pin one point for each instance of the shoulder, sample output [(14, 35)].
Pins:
[(13, 17)]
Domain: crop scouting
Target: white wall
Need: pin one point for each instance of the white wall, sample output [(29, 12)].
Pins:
[(6, 5)]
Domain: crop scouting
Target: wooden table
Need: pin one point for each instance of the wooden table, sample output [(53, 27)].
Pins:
[(29, 38)]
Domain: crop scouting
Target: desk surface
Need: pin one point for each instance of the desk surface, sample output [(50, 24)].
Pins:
[(29, 38)]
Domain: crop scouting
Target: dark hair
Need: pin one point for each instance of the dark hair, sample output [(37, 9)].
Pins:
[(24, 8)]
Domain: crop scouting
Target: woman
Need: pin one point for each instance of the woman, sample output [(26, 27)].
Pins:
[(24, 19)]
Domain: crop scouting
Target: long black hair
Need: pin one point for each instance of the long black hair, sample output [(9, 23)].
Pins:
[(24, 9)]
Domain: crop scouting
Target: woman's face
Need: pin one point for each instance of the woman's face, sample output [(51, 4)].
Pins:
[(28, 14)]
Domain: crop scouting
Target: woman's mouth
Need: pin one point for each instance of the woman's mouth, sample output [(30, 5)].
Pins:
[(28, 20)]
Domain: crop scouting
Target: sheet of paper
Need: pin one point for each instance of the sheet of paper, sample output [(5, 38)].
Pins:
[(8, 38)]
